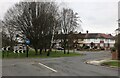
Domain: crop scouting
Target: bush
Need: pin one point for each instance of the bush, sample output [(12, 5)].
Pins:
[(113, 49), (102, 48), (95, 47), (79, 48), (83, 48), (86, 47)]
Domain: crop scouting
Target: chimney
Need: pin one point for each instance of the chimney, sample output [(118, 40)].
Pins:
[(79, 32), (87, 31), (86, 34)]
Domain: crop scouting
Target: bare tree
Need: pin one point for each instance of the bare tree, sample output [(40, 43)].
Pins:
[(68, 24), (39, 21), (36, 20), (9, 30)]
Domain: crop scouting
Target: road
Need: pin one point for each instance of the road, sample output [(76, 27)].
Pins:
[(63, 66)]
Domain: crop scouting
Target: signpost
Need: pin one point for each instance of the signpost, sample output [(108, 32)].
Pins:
[(27, 42)]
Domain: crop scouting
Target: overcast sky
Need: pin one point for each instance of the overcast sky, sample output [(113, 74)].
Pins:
[(97, 16)]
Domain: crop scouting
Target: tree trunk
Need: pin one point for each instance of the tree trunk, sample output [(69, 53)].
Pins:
[(73, 50), (64, 46), (36, 51), (64, 50), (11, 45), (48, 54), (41, 51), (68, 50), (45, 50)]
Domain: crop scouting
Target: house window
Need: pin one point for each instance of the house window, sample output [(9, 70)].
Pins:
[(96, 44), (111, 45), (106, 39), (88, 39), (101, 39)]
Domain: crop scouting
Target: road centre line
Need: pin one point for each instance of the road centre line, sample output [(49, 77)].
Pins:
[(47, 67)]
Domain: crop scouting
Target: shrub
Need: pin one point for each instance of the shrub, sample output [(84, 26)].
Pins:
[(79, 48), (86, 47), (102, 48), (95, 47), (113, 49)]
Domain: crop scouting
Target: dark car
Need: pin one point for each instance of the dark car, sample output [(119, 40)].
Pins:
[(60, 48)]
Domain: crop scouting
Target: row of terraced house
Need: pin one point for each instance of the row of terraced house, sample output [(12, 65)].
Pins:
[(100, 40)]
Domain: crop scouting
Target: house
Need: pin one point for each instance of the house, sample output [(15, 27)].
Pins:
[(98, 40), (102, 40)]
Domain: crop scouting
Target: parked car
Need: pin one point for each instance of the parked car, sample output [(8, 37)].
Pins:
[(60, 48)]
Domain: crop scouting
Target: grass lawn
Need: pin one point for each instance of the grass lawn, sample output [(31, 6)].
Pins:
[(43, 55), (112, 63)]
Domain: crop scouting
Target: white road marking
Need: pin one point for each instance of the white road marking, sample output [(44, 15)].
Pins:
[(48, 67)]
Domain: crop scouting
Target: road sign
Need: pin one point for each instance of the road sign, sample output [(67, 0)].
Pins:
[(27, 41)]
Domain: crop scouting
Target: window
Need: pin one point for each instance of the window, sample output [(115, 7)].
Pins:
[(87, 39), (101, 39), (106, 39)]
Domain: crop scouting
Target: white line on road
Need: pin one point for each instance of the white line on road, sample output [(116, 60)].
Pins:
[(48, 67)]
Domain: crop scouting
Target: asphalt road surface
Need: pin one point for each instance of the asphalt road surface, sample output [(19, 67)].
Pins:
[(63, 66)]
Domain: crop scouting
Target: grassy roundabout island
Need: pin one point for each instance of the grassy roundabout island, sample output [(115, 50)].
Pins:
[(31, 54)]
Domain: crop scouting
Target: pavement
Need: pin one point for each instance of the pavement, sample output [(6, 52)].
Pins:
[(99, 62), (63, 66)]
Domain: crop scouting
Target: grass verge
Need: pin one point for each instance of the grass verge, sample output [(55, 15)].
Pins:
[(43, 55), (112, 63)]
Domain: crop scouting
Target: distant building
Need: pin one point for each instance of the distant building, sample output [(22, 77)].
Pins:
[(99, 40)]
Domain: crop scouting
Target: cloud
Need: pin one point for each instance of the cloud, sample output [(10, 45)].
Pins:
[(97, 15)]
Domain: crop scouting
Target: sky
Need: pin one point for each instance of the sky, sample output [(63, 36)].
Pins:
[(97, 16)]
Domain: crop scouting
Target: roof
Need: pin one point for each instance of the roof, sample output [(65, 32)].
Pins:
[(108, 36), (92, 35), (87, 36)]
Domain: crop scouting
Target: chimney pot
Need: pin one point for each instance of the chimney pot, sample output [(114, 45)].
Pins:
[(87, 31)]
